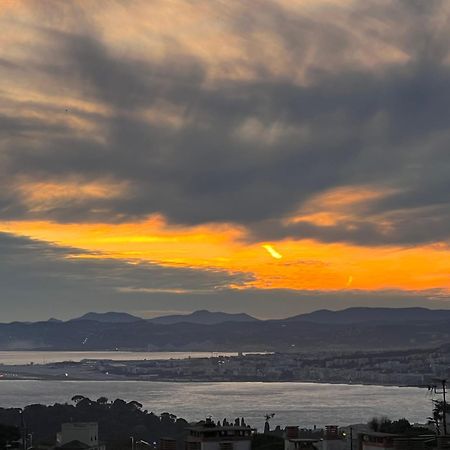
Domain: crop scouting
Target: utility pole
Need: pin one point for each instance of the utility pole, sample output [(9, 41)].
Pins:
[(444, 391), (23, 429)]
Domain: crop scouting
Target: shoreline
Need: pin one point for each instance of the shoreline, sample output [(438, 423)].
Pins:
[(31, 377), (186, 368)]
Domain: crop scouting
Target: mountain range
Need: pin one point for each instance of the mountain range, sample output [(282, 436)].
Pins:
[(352, 329), (108, 317), (345, 316), (202, 317), (360, 315)]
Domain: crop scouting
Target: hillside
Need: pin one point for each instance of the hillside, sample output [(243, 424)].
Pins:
[(109, 317), (279, 336), (359, 315), (203, 317)]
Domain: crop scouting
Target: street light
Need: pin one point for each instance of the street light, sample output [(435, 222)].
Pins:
[(350, 437)]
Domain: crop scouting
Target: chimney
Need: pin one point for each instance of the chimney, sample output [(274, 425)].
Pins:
[(291, 432)]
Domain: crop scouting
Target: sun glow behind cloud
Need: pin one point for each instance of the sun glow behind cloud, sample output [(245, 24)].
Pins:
[(299, 263), (305, 264), (279, 157)]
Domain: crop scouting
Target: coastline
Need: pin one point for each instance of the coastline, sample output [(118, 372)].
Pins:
[(200, 368), (127, 379)]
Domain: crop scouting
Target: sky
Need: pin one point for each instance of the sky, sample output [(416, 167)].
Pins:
[(272, 157)]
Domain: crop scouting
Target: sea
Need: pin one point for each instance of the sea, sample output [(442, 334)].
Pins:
[(303, 404)]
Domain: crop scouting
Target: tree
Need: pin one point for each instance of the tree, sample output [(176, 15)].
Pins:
[(438, 414), (77, 398), (401, 426), (119, 403), (385, 425), (168, 418), (84, 403), (8, 434), (135, 404), (374, 424), (116, 421)]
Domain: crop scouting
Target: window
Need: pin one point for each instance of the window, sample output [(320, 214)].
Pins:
[(226, 446), (192, 446)]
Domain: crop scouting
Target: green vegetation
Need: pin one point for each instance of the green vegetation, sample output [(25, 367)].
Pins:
[(118, 420), (438, 415), (8, 434), (401, 426)]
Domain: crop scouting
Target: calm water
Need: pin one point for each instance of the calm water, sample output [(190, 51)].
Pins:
[(302, 404), (50, 357)]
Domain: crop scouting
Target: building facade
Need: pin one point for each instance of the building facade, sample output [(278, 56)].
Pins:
[(209, 436), (79, 435)]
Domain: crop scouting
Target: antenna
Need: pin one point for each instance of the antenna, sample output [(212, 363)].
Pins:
[(267, 424)]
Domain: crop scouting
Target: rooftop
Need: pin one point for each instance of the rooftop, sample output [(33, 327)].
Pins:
[(75, 445), (207, 428)]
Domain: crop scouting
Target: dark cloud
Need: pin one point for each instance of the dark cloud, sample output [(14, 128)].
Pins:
[(253, 151), (405, 227), (37, 278)]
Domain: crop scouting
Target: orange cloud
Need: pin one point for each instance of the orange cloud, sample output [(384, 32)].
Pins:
[(306, 264), (339, 204), (46, 194)]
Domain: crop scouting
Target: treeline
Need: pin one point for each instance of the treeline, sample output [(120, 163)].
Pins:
[(118, 420)]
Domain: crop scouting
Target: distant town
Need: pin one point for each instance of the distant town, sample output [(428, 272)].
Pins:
[(403, 368)]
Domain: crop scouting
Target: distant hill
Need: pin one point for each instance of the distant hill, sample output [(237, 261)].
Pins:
[(258, 335), (203, 317), (52, 319), (358, 315), (109, 317), (353, 329)]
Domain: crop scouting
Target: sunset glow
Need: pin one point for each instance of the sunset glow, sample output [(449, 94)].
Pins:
[(268, 147)]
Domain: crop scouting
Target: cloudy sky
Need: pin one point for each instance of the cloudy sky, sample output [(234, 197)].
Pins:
[(272, 156)]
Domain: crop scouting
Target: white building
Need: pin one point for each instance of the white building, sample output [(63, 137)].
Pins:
[(79, 435), (209, 436), (331, 439)]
